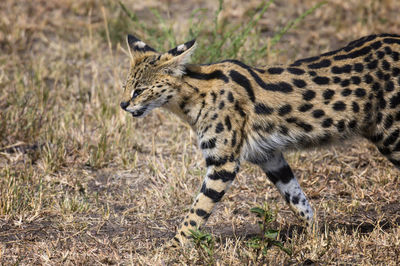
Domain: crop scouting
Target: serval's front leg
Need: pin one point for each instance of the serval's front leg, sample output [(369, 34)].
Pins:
[(222, 167)]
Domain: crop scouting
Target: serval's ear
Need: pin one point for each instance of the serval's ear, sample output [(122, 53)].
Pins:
[(180, 57), (136, 45)]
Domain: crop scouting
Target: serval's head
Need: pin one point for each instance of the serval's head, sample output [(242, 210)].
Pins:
[(152, 75)]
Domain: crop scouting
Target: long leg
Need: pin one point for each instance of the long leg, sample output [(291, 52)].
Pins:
[(221, 172), (280, 174)]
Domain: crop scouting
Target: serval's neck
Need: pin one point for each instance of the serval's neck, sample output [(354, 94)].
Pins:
[(190, 100)]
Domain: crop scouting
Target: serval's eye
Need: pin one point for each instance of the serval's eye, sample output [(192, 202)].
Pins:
[(136, 93)]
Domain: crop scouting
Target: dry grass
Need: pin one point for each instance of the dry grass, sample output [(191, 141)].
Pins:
[(81, 182)]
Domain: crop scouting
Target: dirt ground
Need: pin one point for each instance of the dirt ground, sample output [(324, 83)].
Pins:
[(82, 183)]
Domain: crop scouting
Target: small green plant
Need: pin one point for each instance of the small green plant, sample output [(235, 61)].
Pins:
[(204, 243), (269, 236)]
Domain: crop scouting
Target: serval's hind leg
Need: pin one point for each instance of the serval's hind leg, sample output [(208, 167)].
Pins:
[(387, 140), (279, 173)]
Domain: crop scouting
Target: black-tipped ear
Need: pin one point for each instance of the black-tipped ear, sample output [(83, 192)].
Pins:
[(137, 45), (182, 48)]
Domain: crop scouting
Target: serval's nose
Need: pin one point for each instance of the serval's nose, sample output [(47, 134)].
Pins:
[(124, 105)]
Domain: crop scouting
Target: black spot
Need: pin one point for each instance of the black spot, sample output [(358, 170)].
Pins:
[(376, 45), (263, 109), (291, 119), (356, 80), (389, 86), (214, 97), (339, 106), (305, 107), (388, 50), (376, 86), (355, 107), (373, 64), (299, 83), (388, 122), (358, 67), (382, 103), (233, 141), (244, 82), (308, 95), (387, 77), (336, 79), (341, 70), (345, 83), (318, 113), (327, 122), (208, 144), (215, 116), (360, 92), (395, 56), (283, 130), (222, 92), (385, 65), (230, 97), (346, 92), (295, 200), (216, 74), (219, 128), (215, 161), (285, 109), (312, 73), (328, 94), (320, 64), (283, 174), (367, 107), (275, 70), (280, 87), (307, 127), (340, 126), (211, 193), (368, 79), (380, 74), (202, 213), (379, 118), (221, 105), (395, 71), (228, 123), (193, 223), (352, 124), (295, 70), (392, 138), (321, 80), (380, 54)]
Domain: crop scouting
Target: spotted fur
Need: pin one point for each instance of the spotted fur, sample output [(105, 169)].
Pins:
[(244, 113)]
